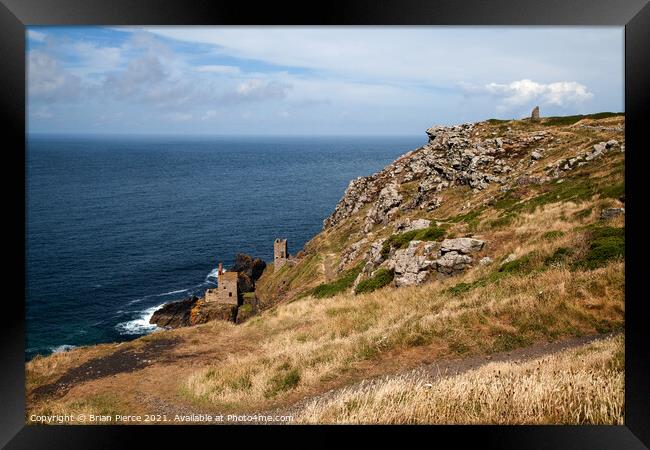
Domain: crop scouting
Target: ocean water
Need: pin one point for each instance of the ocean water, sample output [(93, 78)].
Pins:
[(117, 226)]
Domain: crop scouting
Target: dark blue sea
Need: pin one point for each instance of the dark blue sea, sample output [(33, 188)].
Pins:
[(117, 226)]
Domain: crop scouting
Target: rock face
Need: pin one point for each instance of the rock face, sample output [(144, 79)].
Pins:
[(453, 262), (412, 264), (416, 263), (175, 314), (560, 167), (453, 156), (206, 311), (249, 266), (384, 208), (350, 253), (609, 213), (411, 225), (461, 245)]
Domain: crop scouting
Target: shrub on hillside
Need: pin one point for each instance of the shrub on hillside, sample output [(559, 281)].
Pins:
[(336, 287), (605, 243), (381, 278)]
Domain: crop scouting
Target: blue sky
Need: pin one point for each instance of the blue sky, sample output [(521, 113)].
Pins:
[(313, 80)]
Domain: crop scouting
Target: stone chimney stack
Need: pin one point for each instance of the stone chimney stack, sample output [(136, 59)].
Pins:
[(534, 116), (220, 268)]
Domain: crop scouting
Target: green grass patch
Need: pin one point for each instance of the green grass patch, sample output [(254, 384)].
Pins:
[(552, 235), (605, 244), (467, 217), (519, 265), (576, 189), (502, 221), (240, 383), (560, 255), (325, 290), (380, 279), (509, 341), (285, 380), (583, 213), (99, 404), (402, 240), (246, 308), (461, 288), (613, 191), (570, 120)]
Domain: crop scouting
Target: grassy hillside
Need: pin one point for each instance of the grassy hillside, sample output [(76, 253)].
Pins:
[(557, 272), (573, 387)]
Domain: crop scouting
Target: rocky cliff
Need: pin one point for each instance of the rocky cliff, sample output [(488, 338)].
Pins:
[(416, 219)]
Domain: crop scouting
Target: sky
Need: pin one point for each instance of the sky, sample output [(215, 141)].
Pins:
[(313, 80)]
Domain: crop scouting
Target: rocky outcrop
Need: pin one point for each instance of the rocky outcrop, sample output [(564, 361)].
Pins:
[(249, 266), (454, 255), (349, 254), (412, 265), (452, 263), (453, 156), (461, 245), (384, 208), (558, 168), (175, 314), (406, 225), (206, 311), (609, 213), (420, 260)]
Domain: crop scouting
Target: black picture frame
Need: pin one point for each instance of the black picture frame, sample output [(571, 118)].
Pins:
[(15, 15)]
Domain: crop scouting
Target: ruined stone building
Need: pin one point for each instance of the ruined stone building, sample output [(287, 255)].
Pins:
[(280, 253), (534, 116), (226, 290)]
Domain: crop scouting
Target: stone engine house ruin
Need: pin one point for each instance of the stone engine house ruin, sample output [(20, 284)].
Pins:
[(280, 253), (226, 290)]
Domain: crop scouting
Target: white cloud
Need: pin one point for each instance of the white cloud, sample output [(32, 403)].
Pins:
[(430, 55), (525, 92), (37, 36), (178, 117), (48, 80), (215, 68), (210, 114), (96, 58)]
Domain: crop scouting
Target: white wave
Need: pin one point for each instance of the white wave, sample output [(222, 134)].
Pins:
[(62, 348), (172, 292), (213, 274), (140, 325), (137, 300)]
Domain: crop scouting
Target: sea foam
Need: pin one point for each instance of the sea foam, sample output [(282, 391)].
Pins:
[(62, 348), (140, 325)]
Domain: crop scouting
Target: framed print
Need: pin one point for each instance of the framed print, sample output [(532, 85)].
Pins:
[(387, 219)]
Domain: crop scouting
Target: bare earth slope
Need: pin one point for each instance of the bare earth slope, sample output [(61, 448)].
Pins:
[(493, 237)]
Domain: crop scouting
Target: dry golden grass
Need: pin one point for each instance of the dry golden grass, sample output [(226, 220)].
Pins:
[(319, 341), (311, 342), (45, 369), (578, 386)]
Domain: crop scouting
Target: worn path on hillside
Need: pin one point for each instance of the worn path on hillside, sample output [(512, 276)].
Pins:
[(446, 368), (425, 372)]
